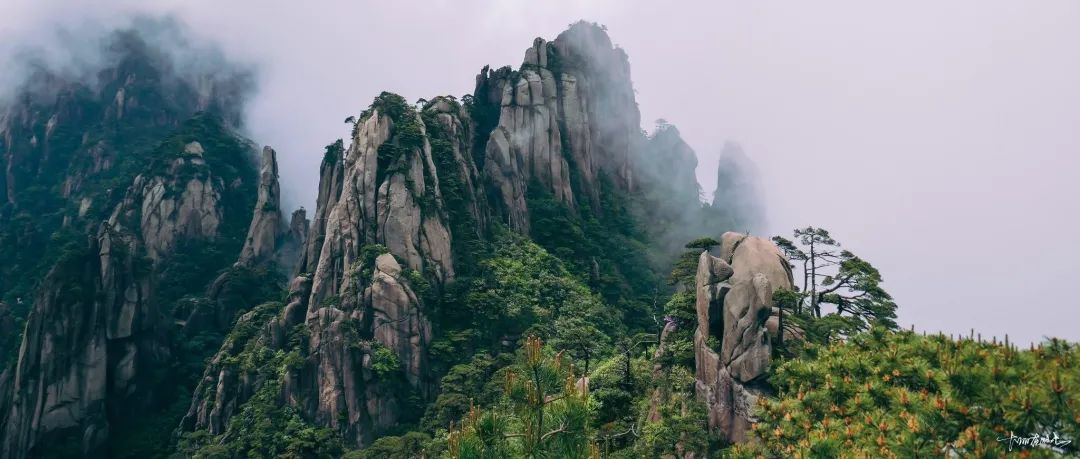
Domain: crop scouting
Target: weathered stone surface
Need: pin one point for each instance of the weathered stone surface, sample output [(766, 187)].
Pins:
[(62, 384), (267, 225), (740, 292), (90, 335), (341, 376), (172, 207), (456, 128), (398, 322), (526, 145), (224, 388), (331, 178), (571, 105), (728, 242), (95, 334), (399, 207), (387, 212)]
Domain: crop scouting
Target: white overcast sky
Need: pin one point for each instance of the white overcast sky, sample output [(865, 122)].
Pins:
[(938, 140)]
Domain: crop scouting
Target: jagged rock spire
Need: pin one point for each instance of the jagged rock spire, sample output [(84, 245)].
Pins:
[(568, 112), (738, 194), (266, 222)]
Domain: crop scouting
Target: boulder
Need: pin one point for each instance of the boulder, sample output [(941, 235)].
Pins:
[(738, 286)]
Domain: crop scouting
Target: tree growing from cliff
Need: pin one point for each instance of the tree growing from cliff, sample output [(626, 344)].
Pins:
[(837, 277)]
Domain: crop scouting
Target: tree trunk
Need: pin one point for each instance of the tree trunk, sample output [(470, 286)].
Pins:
[(780, 328), (805, 283), (813, 280)]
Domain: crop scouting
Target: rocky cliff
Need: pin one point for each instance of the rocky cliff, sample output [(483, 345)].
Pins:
[(127, 189), (99, 327), (565, 116)]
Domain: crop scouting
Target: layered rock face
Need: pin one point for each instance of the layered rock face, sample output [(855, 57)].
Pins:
[(331, 177), (267, 224), (390, 197), (69, 149), (569, 108), (393, 203), (380, 226), (734, 303), (393, 208), (170, 208), (346, 393), (96, 329)]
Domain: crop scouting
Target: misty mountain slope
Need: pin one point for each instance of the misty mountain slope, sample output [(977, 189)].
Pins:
[(70, 148), (521, 272), (156, 201), (737, 199), (410, 245), (445, 233)]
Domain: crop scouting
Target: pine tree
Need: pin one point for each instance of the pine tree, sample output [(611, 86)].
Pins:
[(544, 414)]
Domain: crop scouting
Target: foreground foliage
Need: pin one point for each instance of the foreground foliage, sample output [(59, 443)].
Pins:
[(898, 394), (544, 412)]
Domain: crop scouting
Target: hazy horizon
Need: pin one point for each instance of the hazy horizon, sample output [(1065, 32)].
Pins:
[(939, 142)]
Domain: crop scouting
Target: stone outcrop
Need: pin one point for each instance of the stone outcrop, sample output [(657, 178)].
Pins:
[(392, 316), (174, 206), (397, 322), (451, 135), (734, 302), (331, 178), (381, 243), (91, 337), (224, 387), (381, 204), (270, 240), (380, 222), (267, 225), (395, 203), (570, 106), (63, 385)]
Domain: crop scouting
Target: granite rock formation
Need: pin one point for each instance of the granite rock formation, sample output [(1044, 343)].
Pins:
[(734, 302)]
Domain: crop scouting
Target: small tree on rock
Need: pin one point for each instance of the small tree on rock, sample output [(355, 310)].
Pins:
[(837, 277)]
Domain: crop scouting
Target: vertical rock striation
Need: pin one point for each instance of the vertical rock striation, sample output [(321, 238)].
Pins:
[(566, 116), (267, 225)]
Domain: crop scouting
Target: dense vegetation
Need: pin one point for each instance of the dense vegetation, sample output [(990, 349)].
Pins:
[(899, 394)]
